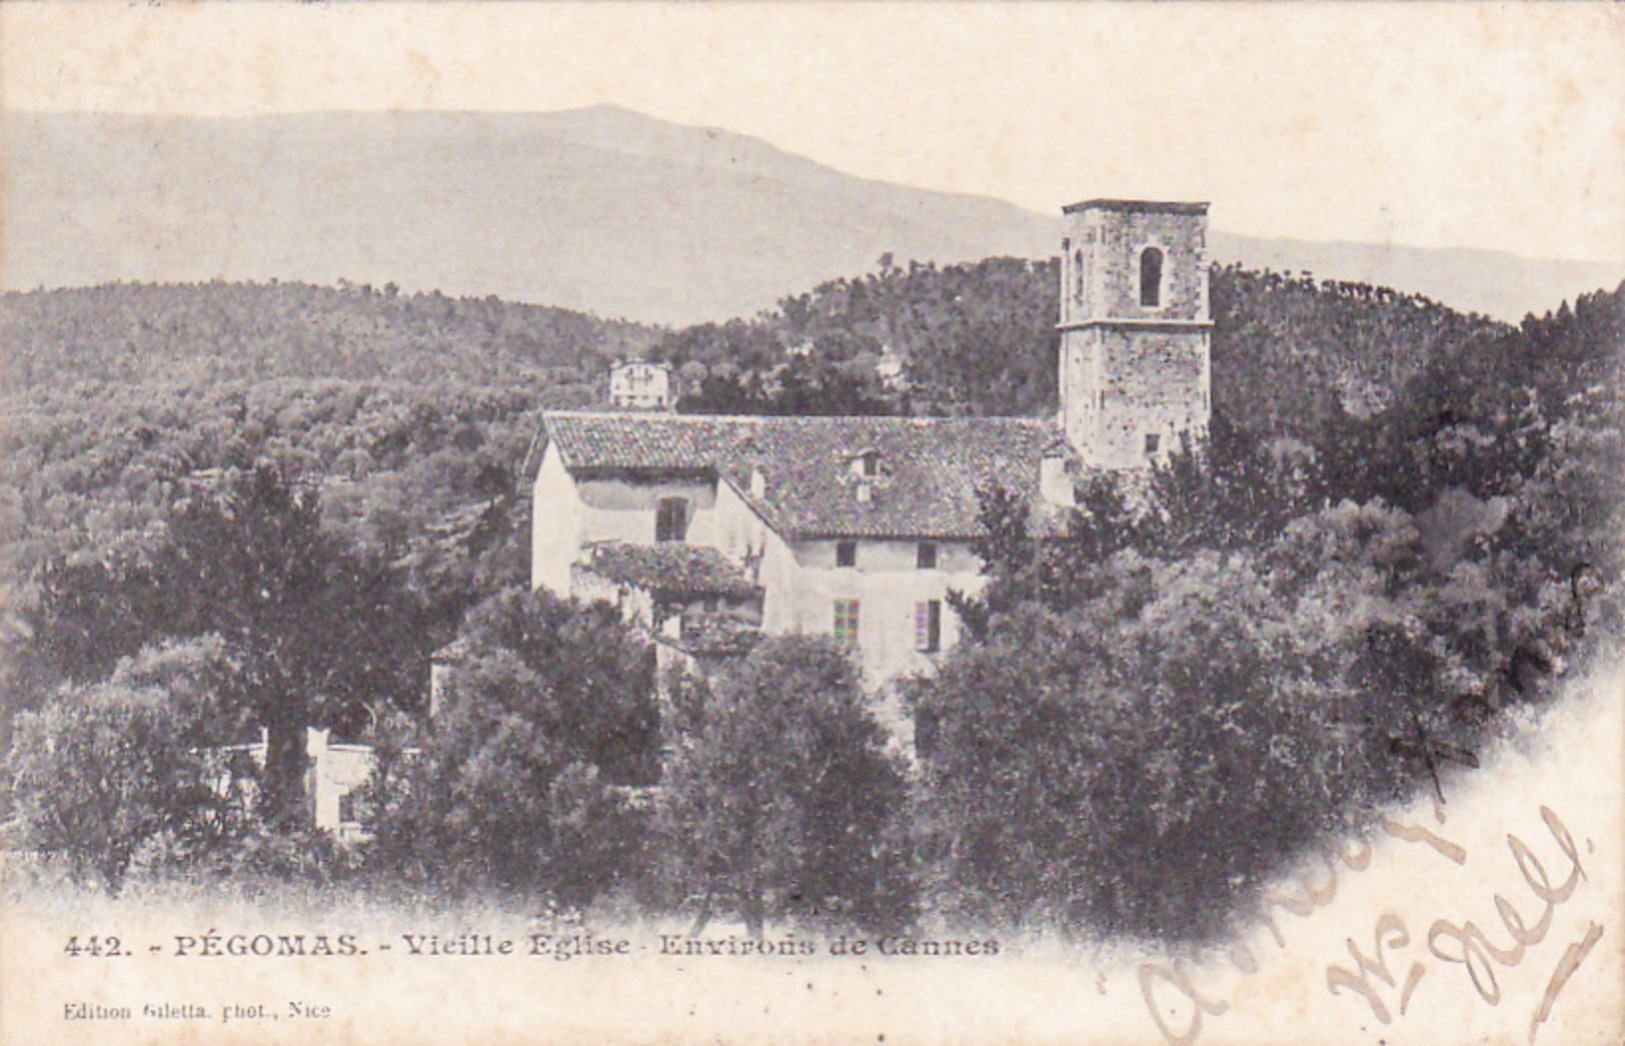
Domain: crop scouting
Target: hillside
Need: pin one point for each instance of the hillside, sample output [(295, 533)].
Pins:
[(1408, 522), (599, 210), (214, 332), (1290, 353)]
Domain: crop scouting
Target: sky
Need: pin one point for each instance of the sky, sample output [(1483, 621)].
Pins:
[(1440, 125)]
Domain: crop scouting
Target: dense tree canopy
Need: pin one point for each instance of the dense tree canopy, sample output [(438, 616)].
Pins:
[(317, 630), (133, 333), (1402, 520), (511, 785), (109, 767), (1196, 679), (781, 797)]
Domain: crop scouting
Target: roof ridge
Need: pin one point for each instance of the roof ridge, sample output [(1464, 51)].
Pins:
[(804, 418), (632, 415)]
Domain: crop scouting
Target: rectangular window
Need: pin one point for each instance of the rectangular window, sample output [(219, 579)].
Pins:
[(671, 519), (846, 553), (846, 620), (928, 626), (926, 557), (1151, 441)]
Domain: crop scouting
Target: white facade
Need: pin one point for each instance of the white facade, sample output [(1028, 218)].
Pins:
[(570, 512), (802, 581), (641, 385), (898, 630), (333, 772)]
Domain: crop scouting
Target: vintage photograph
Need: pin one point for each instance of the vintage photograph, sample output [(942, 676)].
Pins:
[(812, 523)]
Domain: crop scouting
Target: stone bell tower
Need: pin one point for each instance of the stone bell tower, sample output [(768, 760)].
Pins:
[(1135, 329)]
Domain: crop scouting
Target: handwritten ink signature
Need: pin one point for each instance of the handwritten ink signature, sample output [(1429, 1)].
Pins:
[(1571, 960), (1371, 977)]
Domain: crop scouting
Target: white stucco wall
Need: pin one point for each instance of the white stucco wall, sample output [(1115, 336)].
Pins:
[(800, 580), (888, 587), (623, 509), (336, 770), (555, 525), (801, 584), (569, 512), (641, 385), (332, 771)]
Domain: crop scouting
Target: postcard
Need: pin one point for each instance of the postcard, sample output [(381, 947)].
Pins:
[(812, 523)]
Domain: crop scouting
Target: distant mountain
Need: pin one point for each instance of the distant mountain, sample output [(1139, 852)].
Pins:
[(596, 209)]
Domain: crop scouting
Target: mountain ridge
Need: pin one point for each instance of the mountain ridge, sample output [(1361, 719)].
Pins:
[(599, 209)]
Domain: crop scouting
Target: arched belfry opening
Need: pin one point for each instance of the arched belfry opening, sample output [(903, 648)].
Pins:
[(1151, 277), (1135, 352)]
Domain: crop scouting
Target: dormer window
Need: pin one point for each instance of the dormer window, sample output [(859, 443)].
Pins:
[(866, 463), (1151, 277)]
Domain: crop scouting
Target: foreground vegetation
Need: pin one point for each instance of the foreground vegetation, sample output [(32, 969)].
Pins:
[(1404, 523)]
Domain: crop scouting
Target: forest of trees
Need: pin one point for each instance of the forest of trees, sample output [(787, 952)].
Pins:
[(231, 507), (200, 333), (1289, 353)]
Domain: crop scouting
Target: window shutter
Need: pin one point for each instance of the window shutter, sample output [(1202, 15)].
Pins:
[(846, 620), (928, 626)]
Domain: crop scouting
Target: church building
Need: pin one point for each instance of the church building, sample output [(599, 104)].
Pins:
[(707, 529)]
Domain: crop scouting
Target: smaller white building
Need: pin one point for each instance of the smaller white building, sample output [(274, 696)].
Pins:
[(641, 385), (333, 773)]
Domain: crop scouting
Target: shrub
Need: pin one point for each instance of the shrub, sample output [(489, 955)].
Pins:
[(780, 793), (502, 791), (102, 771)]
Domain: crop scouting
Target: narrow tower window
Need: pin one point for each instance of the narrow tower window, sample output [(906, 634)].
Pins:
[(1077, 272), (1151, 277)]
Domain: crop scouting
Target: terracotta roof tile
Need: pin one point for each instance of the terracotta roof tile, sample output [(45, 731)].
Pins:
[(929, 469)]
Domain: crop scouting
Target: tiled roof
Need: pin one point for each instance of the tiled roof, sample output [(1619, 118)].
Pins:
[(669, 569), (929, 469), (640, 441)]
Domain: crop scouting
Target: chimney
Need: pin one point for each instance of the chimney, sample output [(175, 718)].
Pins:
[(758, 484), (865, 491), (1055, 479)]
